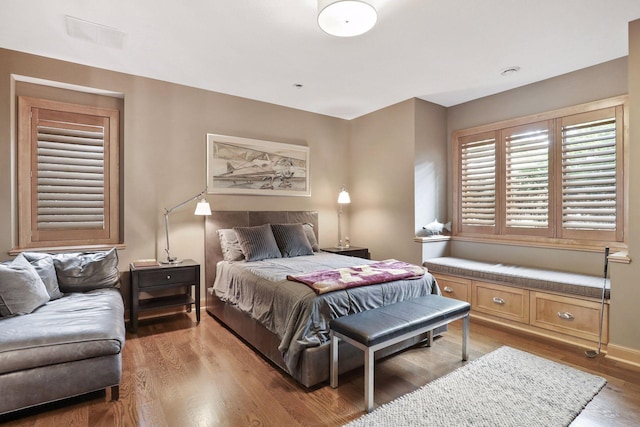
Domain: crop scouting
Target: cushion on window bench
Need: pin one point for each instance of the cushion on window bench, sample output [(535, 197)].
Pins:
[(523, 277)]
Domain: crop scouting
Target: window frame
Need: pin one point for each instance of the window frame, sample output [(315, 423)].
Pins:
[(29, 237), (555, 236)]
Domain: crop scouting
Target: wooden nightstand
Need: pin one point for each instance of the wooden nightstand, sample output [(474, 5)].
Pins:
[(353, 251), (165, 276)]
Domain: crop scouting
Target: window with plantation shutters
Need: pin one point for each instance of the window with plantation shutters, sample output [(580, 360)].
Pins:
[(68, 174), (553, 178), (527, 179), (591, 173), (478, 182)]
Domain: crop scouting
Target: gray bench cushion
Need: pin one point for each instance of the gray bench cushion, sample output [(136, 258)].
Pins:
[(523, 277), (371, 327), (75, 327)]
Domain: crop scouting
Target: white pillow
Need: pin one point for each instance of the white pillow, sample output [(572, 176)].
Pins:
[(229, 245)]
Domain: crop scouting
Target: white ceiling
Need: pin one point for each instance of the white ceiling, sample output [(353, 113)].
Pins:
[(443, 51)]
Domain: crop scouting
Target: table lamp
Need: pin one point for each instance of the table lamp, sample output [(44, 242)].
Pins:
[(202, 208)]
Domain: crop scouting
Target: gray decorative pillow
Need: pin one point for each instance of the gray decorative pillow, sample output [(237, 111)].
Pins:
[(231, 250), (291, 240), (21, 289), (83, 271), (311, 236), (43, 263), (257, 243)]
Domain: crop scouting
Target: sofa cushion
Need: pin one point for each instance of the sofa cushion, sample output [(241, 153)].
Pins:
[(75, 327), (43, 263), (84, 271), (21, 289)]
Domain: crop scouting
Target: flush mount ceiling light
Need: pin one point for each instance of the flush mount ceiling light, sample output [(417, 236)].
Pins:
[(346, 18)]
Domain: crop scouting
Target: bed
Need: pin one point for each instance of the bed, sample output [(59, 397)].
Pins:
[(284, 320)]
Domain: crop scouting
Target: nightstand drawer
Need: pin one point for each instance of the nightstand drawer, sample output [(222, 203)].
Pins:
[(501, 301), (572, 316), (159, 278)]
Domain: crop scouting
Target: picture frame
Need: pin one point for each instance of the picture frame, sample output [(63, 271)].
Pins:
[(254, 167)]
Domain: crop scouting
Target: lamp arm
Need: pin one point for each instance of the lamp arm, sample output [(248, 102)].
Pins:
[(179, 205), (166, 221)]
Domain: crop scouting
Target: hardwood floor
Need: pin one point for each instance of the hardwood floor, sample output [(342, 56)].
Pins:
[(178, 374)]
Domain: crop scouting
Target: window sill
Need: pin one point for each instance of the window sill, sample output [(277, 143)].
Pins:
[(616, 248), (431, 239), (80, 248)]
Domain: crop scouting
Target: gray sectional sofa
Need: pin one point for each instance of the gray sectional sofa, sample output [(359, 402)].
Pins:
[(61, 327)]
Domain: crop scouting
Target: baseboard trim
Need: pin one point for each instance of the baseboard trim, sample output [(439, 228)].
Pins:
[(622, 354)]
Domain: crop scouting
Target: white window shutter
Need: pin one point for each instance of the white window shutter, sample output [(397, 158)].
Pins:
[(478, 183), (589, 185), (70, 176), (527, 178)]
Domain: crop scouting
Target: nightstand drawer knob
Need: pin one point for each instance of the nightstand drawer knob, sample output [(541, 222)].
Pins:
[(498, 300), (448, 289), (168, 277)]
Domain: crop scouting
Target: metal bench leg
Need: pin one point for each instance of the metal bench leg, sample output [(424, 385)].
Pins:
[(430, 338), (369, 361), (333, 368), (465, 338)]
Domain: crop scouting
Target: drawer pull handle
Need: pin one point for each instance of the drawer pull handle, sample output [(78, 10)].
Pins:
[(498, 300), (448, 290), (565, 315), (168, 277)]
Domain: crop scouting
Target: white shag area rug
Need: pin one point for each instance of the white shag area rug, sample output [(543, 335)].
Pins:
[(506, 387)]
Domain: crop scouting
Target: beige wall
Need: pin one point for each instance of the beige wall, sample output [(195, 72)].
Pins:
[(381, 180), (430, 165), (164, 153), (625, 296)]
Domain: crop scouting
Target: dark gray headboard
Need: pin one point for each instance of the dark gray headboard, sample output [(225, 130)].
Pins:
[(230, 219)]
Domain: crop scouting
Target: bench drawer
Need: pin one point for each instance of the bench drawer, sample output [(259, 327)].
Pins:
[(501, 301), (454, 287), (571, 316)]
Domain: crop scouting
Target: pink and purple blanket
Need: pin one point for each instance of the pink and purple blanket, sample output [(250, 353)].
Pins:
[(349, 277)]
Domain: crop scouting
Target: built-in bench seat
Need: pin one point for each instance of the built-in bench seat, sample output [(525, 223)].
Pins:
[(525, 277), (555, 304), (379, 328)]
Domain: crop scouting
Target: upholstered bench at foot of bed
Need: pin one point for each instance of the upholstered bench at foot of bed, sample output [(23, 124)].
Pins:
[(382, 327)]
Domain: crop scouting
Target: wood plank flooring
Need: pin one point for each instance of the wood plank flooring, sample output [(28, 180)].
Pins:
[(178, 374)]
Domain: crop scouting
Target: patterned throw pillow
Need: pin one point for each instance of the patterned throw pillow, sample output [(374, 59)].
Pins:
[(258, 242), (291, 239)]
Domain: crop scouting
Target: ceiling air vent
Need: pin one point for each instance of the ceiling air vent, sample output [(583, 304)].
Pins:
[(95, 33)]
